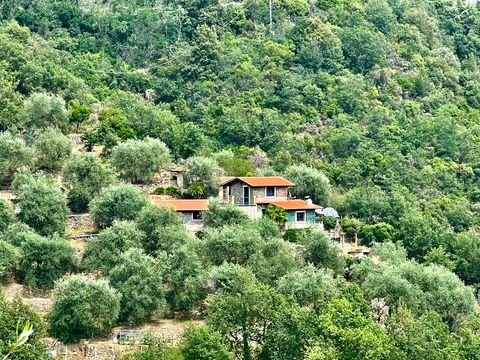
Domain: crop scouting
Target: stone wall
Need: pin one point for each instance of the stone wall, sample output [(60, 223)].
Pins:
[(80, 221), (237, 192), (281, 193)]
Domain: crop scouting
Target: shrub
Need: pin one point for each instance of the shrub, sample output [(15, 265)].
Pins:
[(12, 315), (204, 173), (9, 260), (43, 110), (309, 182), (7, 216), (322, 251), (152, 218), (380, 232), (170, 190), (83, 308), (17, 233), (202, 343)]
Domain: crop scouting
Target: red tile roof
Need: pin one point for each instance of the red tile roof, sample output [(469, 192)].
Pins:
[(182, 205), (295, 204), (261, 181), (226, 179)]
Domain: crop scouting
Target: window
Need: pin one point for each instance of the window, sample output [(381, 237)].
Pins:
[(246, 195), (197, 215), (270, 191), (301, 216)]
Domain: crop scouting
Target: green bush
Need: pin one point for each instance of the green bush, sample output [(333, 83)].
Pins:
[(219, 215), (170, 190), (12, 315), (139, 160), (15, 156), (202, 343), (380, 232), (9, 261), (7, 216)]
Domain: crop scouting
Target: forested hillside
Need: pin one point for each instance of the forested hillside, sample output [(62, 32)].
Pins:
[(372, 105)]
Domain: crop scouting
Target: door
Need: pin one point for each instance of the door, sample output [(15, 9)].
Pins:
[(246, 195)]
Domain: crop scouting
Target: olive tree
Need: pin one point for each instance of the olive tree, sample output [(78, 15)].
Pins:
[(309, 286), (83, 308), (139, 160), (103, 251), (121, 202), (137, 277), (14, 156), (309, 182), (155, 222), (42, 204), (52, 149), (322, 251), (44, 110), (218, 215), (203, 172), (85, 175), (243, 309), (44, 260), (7, 216)]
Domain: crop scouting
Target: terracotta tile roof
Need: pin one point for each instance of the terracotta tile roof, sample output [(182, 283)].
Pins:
[(182, 205), (226, 179), (260, 181), (295, 204), (264, 200)]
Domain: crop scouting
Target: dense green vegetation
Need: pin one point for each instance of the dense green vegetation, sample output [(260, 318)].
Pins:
[(369, 106)]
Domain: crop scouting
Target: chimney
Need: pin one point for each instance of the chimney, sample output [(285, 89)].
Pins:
[(308, 200)]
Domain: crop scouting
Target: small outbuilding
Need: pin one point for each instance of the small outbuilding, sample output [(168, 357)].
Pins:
[(190, 210)]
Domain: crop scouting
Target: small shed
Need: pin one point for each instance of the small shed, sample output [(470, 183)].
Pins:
[(191, 210)]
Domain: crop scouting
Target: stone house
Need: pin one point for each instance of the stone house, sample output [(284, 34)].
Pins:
[(253, 194), (249, 192)]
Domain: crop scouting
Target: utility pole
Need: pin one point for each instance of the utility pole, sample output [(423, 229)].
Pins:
[(271, 17)]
